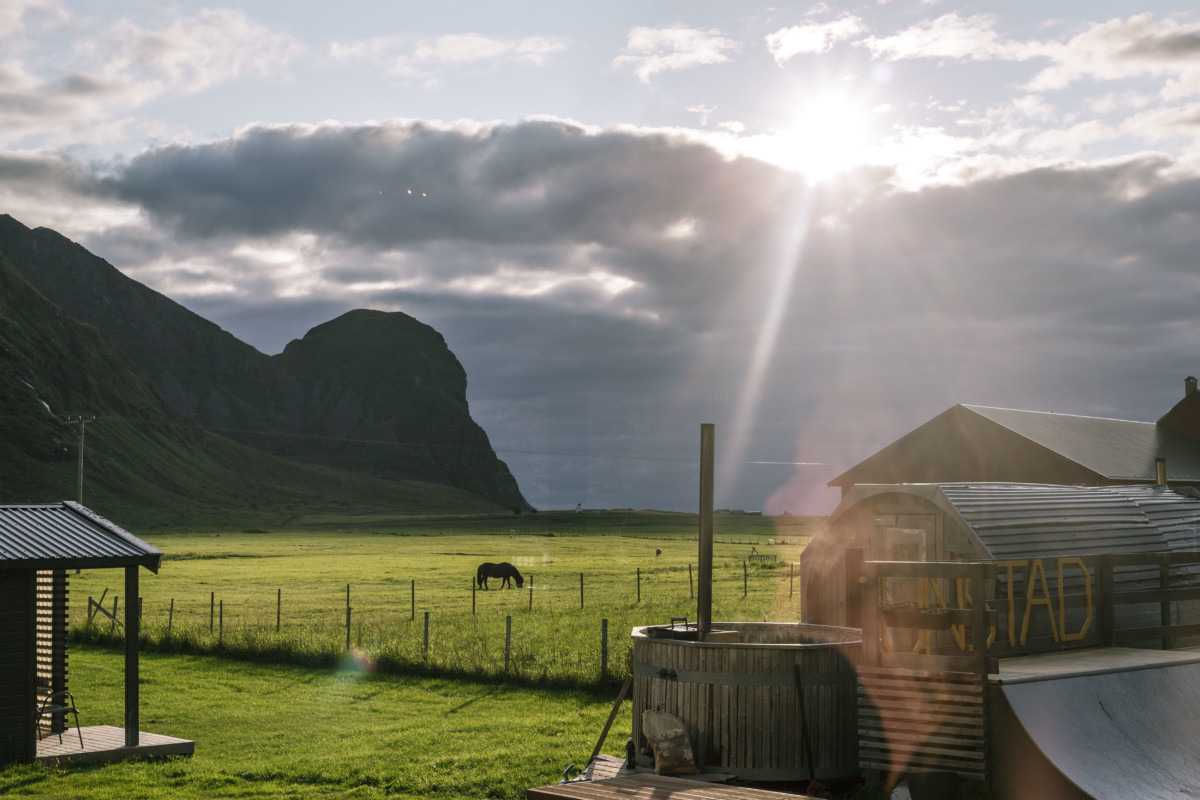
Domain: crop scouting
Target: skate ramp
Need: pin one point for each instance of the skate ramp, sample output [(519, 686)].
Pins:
[(1132, 733)]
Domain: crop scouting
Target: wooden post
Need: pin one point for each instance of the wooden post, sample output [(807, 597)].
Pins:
[(221, 625), (347, 629), (745, 579), (507, 642), (704, 596), (853, 577), (639, 583), (473, 588), (691, 585), (278, 607), (979, 624), (1108, 620), (426, 635), (132, 634), (792, 583), (114, 613), (1164, 606), (531, 595), (170, 617), (604, 649), (212, 606), (413, 596), (581, 590)]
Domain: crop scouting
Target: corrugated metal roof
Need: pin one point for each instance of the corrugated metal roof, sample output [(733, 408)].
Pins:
[(1018, 521), (1116, 448), (67, 536)]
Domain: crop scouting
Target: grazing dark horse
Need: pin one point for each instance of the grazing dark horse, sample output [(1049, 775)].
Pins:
[(503, 570)]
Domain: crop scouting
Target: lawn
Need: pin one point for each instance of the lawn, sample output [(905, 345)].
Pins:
[(275, 731)]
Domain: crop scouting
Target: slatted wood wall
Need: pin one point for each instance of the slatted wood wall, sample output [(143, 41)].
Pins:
[(912, 721), (52, 614)]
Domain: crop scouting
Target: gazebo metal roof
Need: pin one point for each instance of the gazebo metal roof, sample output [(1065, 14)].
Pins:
[(68, 536)]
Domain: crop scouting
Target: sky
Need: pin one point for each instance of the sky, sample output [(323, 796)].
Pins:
[(813, 225)]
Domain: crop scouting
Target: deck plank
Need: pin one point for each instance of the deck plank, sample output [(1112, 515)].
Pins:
[(107, 743), (653, 787)]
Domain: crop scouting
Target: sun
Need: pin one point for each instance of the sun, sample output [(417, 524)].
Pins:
[(829, 133)]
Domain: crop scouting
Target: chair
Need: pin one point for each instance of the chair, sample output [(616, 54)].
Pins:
[(59, 703)]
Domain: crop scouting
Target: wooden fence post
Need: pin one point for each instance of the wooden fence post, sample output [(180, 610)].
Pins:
[(221, 629), (604, 649), (639, 583), (581, 590), (691, 585), (792, 581), (170, 617), (426, 635), (212, 607), (745, 579), (507, 642), (114, 615), (413, 595), (278, 606)]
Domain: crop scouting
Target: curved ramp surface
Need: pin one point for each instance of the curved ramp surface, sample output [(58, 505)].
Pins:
[(1126, 734)]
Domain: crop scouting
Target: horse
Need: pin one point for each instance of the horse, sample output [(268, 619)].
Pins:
[(503, 570)]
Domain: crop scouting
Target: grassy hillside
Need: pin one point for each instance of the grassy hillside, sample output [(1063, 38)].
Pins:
[(145, 464)]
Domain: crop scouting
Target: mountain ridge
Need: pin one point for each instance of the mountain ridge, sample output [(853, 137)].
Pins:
[(370, 392)]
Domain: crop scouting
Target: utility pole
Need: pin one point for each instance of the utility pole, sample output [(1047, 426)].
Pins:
[(82, 419)]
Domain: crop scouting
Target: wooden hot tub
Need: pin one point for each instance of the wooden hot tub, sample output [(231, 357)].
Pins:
[(738, 699)]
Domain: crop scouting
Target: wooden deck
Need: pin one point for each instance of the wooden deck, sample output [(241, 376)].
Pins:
[(106, 743), (1091, 661), (653, 787)]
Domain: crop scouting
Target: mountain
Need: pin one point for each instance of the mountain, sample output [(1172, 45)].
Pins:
[(370, 393)]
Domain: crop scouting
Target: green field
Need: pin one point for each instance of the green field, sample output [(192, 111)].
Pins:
[(240, 584), (277, 731), (291, 714)]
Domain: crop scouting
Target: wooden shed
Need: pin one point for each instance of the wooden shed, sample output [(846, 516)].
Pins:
[(39, 544), (1002, 522)]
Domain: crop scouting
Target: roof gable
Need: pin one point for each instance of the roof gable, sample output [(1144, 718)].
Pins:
[(984, 444)]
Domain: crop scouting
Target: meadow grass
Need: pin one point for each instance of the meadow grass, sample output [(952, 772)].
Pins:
[(281, 731), (234, 581)]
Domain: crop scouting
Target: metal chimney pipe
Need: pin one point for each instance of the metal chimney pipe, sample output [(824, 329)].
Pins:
[(1160, 471), (1189, 386), (704, 594)]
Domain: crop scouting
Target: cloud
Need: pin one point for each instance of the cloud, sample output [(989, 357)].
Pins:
[(191, 54), (649, 51), (15, 15), (1142, 45), (951, 37), (815, 37), (414, 57), (121, 68)]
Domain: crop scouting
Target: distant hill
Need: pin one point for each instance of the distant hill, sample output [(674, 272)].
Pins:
[(371, 394)]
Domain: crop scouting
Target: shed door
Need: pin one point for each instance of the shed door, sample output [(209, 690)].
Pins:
[(16, 666)]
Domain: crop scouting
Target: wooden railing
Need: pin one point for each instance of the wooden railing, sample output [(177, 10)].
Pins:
[(1027, 606)]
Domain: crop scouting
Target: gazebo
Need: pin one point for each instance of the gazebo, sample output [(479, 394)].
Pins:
[(38, 545)]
